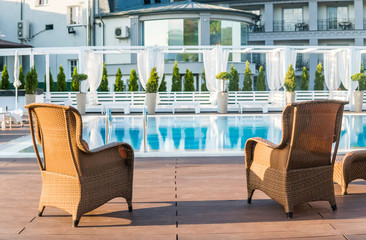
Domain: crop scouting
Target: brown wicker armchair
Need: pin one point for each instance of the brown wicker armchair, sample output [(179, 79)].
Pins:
[(74, 178), (300, 168), (349, 167)]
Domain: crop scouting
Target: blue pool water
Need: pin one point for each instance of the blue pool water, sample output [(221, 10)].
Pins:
[(206, 133)]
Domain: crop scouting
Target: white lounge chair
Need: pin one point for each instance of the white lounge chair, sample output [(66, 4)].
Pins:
[(276, 101), (253, 105), (11, 117)]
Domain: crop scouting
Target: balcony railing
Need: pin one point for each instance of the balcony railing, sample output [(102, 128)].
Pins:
[(257, 28), (336, 24), (290, 25), (364, 23)]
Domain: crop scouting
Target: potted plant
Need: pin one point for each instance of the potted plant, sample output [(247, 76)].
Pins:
[(151, 90), (358, 95), (223, 96), (31, 84), (81, 95), (290, 85)]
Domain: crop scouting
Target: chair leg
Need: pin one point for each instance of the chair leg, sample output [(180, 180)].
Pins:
[(344, 189), (75, 223), (289, 215), (333, 204), (129, 203), (40, 210), (250, 195)]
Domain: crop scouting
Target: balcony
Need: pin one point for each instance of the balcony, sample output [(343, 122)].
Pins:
[(290, 25), (336, 24), (257, 28)]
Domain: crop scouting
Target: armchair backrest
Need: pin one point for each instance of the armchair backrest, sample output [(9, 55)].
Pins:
[(58, 129), (310, 129)]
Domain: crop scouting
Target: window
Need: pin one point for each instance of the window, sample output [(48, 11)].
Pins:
[(42, 2), (2, 62), (147, 2), (72, 64), (291, 16), (74, 15), (335, 15)]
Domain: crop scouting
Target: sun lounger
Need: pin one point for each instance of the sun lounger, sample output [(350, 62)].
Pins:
[(126, 106), (187, 104), (253, 105)]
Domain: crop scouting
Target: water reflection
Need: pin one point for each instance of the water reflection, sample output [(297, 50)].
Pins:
[(207, 133)]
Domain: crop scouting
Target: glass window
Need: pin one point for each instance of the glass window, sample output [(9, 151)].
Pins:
[(335, 15), (42, 2), (2, 62), (72, 64), (228, 33), (75, 15), (291, 16)]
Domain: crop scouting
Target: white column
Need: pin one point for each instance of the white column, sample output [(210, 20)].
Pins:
[(48, 95), (31, 59)]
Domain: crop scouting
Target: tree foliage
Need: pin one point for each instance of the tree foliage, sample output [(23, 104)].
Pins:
[(203, 85), (319, 78), (119, 85), (304, 85), (162, 87), (248, 81), (21, 78), (74, 83), (5, 84), (52, 84), (31, 82), (224, 76), (189, 83), (132, 84), (290, 81), (61, 80), (176, 80), (261, 80), (153, 82), (234, 81), (362, 84), (104, 83)]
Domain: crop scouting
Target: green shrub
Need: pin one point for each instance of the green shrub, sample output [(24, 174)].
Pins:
[(21, 78), (162, 87), (319, 78), (248, 81), (304, 79), (188, 84), (132, 84), (52, 84), (261, 80), (31, 81), (74, 83), (176, 80), (5, 84), (61, 80), (203, 85), (362, 84), (104, 83), (234, 81), (224, 76), (153, 82), (290, 82), (119, 85)]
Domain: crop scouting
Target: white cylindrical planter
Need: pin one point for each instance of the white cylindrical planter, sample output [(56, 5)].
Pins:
[(151, 102), (81, 102), (358, 97), (290, 97), (30, 98), (223, 101)]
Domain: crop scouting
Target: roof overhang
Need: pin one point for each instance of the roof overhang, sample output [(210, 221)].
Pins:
[(7, 44)]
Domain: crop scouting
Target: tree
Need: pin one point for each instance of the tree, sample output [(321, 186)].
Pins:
[(189, 83), (119, 85), (61, 80), (153, 82), (21, 78), (104, 83), (132, 85), (74, 82), (304, 79), (203, 85), (234, 81), (176, 80), (31, 82), (319, 78), (362, 84), (224, 76), (5, 84), (248, 81), (162, 87), (261, 80), (52, 84), (290, 81)]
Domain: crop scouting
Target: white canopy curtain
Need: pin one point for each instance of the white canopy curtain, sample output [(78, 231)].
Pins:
[(16, 83), (148, 59), (331, 71), (343, 61), (214, 62), (355, 68), (274, 70), (94, 69)]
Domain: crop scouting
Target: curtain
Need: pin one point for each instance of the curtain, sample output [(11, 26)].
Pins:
[(16, 83), (343, 58), (331, 71), (355, 68), (273, 70), (146, 61), (94, 70)]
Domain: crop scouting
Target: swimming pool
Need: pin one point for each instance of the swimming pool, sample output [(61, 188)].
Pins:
[(209, 134), (191, 135)]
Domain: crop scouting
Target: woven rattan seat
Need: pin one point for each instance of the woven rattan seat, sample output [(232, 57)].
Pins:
[(349, 167), (74, 178), (300, 168)]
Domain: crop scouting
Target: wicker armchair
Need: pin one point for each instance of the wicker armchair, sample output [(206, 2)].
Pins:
[(74, 178), (300, 168), (349, 167)]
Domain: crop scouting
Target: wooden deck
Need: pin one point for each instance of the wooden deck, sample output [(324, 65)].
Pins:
[(176, 198)]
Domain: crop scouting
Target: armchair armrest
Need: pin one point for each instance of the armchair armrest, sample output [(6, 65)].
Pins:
[(106, 158), (266, 153)]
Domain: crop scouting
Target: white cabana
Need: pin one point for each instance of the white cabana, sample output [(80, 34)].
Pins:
[(16, 83), (331, 75), (148, 59), (94, 70)]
